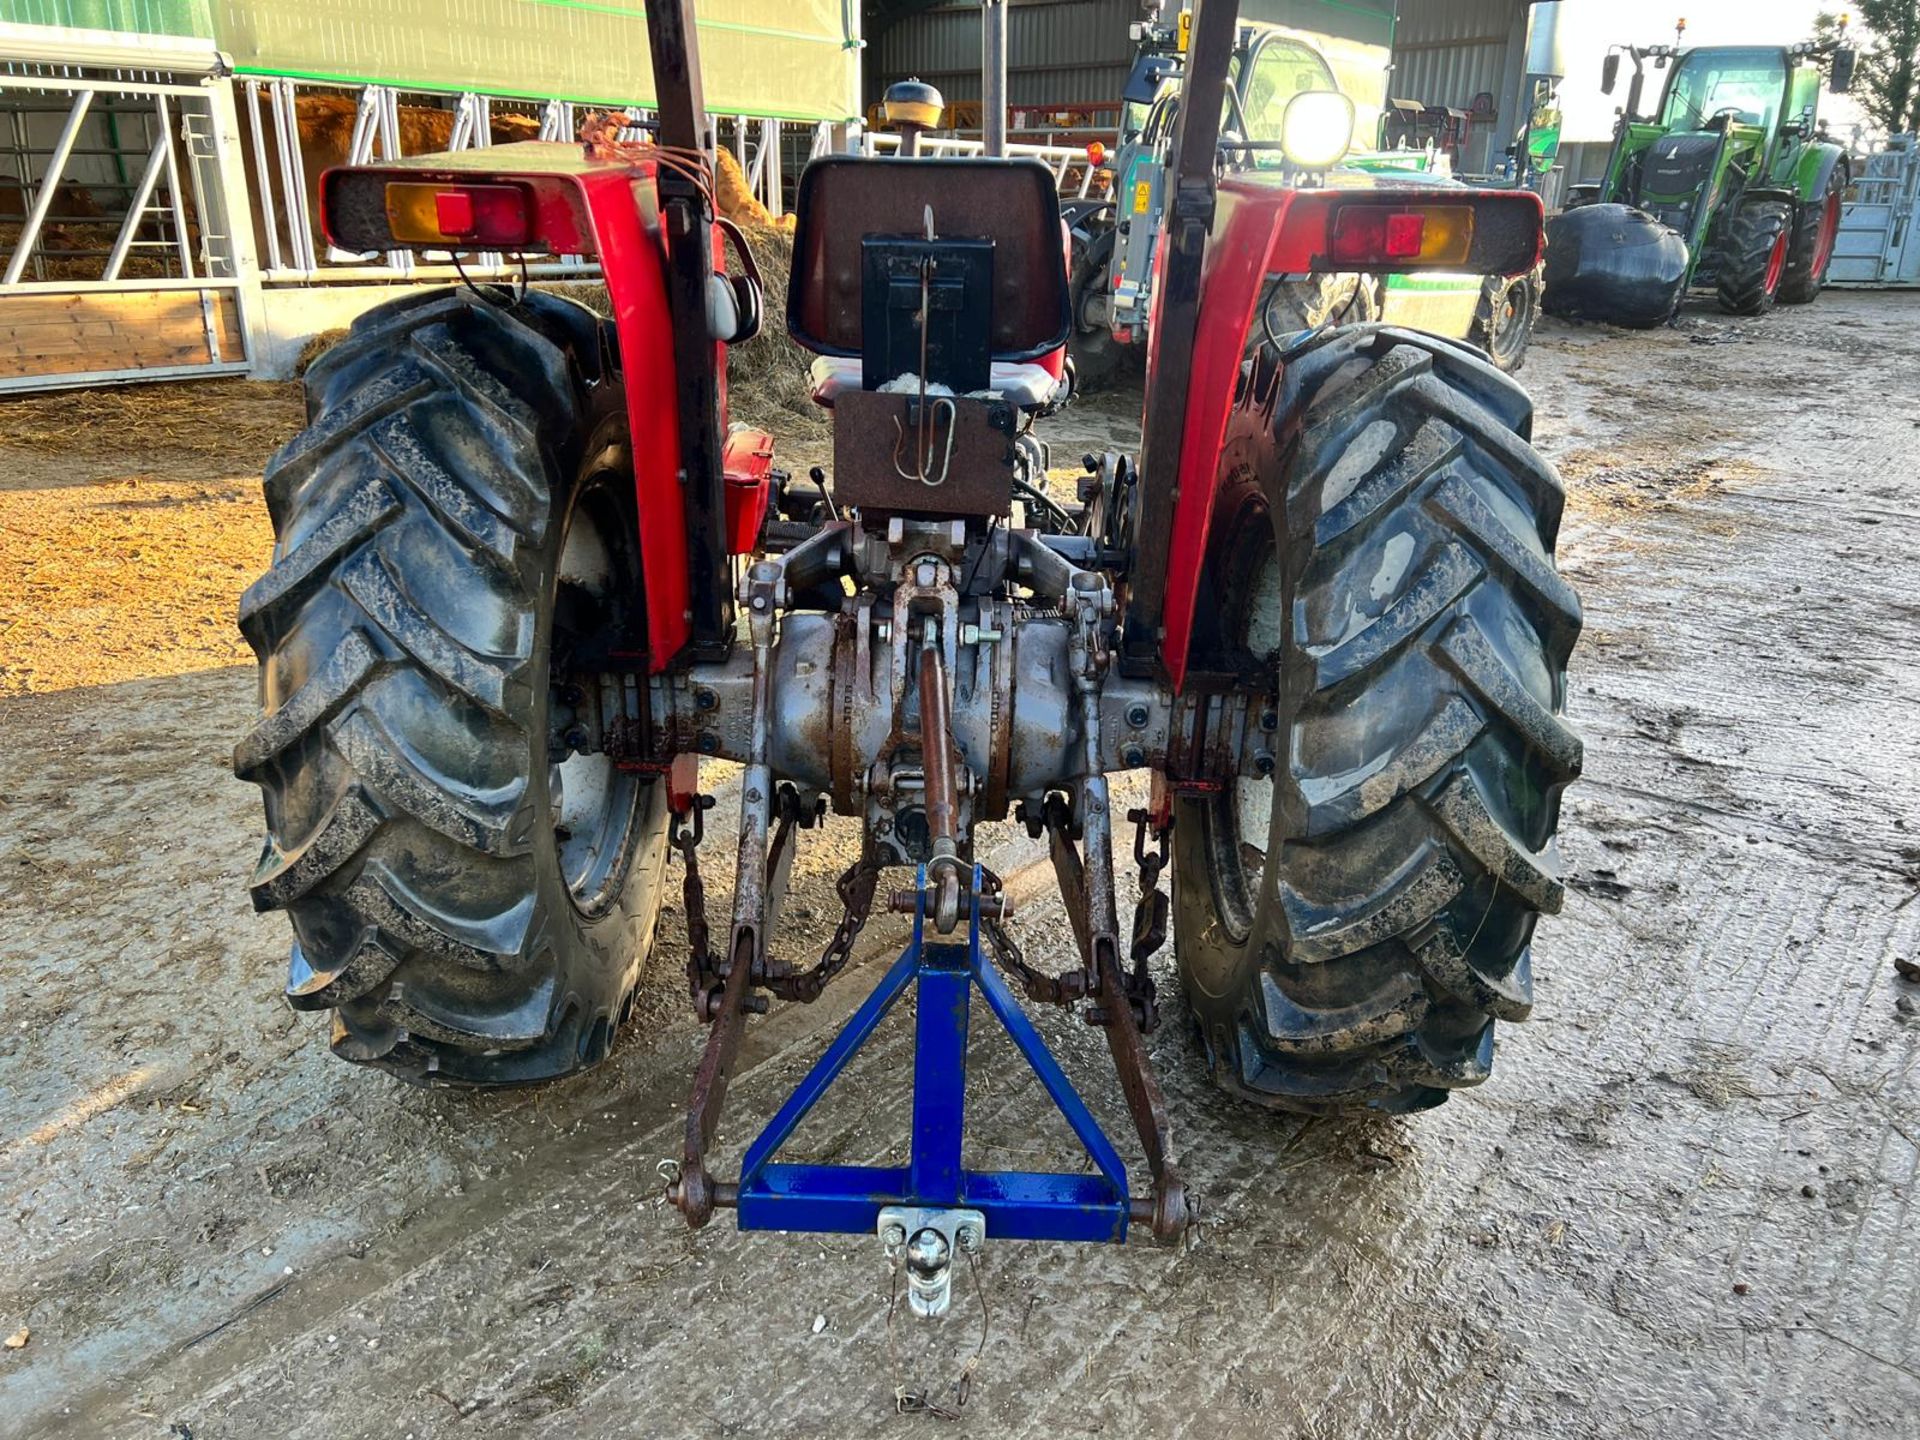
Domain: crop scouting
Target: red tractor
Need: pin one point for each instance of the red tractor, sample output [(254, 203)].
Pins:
[(526, 577)]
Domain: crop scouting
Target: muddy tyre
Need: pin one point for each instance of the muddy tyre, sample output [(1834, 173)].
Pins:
[(1348, 930), (470, 900), (1320, 300), (1503, 322), (1753, 260), (1816, 226)]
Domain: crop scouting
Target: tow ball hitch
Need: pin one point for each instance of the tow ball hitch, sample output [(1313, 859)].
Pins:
[(927, 1242)]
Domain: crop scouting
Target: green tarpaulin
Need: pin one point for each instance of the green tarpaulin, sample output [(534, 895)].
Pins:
[(790, 58), (191, 18)]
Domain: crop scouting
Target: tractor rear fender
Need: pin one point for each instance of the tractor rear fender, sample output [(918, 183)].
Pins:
[(1806, 174), (1262, 230), (564, 204)]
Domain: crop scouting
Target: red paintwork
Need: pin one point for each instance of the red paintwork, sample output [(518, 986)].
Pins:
[(609, 211), (748, 463), (1259, 229), (1776, 264), (1829, 233), (683, 781), (632, 251)]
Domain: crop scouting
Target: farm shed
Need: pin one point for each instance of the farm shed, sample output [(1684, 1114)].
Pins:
[(1465, 55), (160, 156), (1068, 59)]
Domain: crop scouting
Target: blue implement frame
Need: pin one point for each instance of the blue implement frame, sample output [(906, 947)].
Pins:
[(1017, 1204)]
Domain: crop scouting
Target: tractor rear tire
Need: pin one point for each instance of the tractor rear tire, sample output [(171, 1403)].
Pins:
[(1810, 250), (1753, 259), (1503, 323), (1348, 930), (1320, 300), (472, 901)]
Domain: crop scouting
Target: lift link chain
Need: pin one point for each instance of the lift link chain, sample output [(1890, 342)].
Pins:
[(856, 887), (1041, 988), (685, 836), (1150, 915)]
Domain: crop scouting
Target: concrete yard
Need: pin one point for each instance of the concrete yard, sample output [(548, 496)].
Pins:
[(1684, 1205)]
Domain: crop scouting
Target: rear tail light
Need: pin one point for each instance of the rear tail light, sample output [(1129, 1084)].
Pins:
[(497, 217), (1368, 235)]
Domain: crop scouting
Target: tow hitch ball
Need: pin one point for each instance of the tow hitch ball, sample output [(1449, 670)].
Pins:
[(927, 1242)]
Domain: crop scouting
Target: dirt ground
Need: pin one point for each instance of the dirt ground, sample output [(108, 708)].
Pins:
[(1683, 1205)]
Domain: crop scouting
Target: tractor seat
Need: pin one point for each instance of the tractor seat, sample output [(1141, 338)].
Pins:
[(997, 313), (1025, 384)]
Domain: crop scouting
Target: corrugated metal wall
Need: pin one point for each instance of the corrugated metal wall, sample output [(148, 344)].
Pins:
[(1058, 51), (1446, 52), (1065, 52)]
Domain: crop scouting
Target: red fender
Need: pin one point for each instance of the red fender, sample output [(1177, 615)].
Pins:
[(1259, 229), (632, 248), (609, 211)]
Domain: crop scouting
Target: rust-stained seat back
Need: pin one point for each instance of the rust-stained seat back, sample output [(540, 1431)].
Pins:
[(1013, 203)]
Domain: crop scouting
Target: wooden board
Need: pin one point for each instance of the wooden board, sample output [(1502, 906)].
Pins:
[(122, 332)]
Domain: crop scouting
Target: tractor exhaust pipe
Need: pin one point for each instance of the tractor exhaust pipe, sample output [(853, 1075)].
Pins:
[(993, 76)]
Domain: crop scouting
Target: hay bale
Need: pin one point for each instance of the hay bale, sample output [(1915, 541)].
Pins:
[(316, 346), (767, 383)]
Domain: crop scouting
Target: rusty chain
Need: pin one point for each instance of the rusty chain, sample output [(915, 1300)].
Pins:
[(1042, 988), (855, 887), (1151, 915), (685, 837)]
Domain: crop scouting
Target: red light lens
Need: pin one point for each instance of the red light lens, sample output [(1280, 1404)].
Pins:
[(1096, 153), (1360, 234), (453, 212), (1372, 236), (1404, 234)]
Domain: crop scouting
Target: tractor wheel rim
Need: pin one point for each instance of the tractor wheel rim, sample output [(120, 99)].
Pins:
[(593, 803), (1246, 806), (1516, 310), (1776, 264), (1829, 234)]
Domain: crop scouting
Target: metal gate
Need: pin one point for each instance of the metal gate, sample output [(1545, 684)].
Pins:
[(1879, 240), (120, 257)]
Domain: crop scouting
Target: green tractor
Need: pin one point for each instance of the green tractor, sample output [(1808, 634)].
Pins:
[(1732, 185)]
